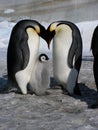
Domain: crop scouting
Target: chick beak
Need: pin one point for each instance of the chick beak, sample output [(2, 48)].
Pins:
[(49, 44)]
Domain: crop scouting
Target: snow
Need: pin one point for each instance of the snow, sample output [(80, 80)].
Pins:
[(86, 28), (5, 31), (8, 11)]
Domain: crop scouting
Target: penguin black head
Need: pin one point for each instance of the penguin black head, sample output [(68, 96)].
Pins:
[(43, 57), (28, 23)]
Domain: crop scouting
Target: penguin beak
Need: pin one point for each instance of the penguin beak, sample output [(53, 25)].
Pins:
[(48, 39), (48, 42)]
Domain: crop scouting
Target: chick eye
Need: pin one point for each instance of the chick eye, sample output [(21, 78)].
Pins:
[(43, 58)]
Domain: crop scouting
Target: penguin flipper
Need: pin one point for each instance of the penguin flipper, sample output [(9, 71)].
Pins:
[(71, 54), (75, 51), (78, 53), (25, 54)]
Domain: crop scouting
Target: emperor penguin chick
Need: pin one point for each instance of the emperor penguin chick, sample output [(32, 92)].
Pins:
[(23, 51), (40, 78), (67, 54)]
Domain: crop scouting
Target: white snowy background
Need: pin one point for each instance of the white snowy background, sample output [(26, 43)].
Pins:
[(86, 28)]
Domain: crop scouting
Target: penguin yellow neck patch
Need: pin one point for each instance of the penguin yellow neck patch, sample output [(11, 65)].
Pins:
[(37, 28), (53, 27), (30, 31), (63, 28)]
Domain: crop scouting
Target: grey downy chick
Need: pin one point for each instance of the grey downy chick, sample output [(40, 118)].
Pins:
[(40, 78)]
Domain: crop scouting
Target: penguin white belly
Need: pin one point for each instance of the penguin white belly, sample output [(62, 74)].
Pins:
[(61, 46), (61, 69), (23, 76)]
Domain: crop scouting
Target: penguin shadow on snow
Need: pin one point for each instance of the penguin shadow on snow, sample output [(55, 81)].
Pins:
[(3, 82), (88, 95), (6, 88)]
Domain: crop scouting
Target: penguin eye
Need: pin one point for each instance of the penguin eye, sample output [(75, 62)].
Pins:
[(43, 58)]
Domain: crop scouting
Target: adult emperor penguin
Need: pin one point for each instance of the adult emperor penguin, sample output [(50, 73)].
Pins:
[(67, 54), (40, 78), (94, 47), (23, 51)]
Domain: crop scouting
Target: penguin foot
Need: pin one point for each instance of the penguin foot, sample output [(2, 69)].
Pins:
[(64, 91), (77, 90)]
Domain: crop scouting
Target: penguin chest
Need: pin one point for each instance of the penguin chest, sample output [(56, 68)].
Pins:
[(61, 47)]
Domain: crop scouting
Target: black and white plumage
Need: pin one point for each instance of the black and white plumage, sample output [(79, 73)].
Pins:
[(67, 54), (94, 47), (40, 79), (23, 51)]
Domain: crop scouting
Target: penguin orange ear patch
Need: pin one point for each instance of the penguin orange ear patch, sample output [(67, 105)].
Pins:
[(53, 27), (37, 29), (30, 31)]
